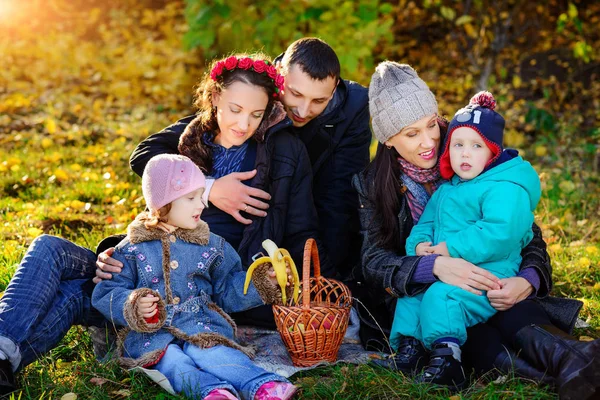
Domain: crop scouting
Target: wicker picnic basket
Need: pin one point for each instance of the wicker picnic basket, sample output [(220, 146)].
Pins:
[(313, 328)]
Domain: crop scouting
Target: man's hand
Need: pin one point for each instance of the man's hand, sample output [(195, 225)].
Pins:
[(229, 194), (106, 264), (513, 290)]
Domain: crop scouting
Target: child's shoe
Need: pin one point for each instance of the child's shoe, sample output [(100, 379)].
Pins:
[(410, 357), (443, 369), (275, 391), (220, 394), (7, 379)]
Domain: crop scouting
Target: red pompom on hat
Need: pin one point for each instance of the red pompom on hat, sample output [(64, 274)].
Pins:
[(480, 116)]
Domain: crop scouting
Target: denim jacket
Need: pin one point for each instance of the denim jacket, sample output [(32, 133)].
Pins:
[(198, 277)]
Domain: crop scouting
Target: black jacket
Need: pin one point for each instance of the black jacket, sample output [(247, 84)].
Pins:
[(338, 147), (388, 274), (283, 170)]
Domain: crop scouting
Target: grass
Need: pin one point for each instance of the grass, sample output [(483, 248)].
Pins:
[(85, 193)]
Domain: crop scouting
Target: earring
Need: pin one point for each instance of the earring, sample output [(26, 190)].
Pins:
[(388, 146)]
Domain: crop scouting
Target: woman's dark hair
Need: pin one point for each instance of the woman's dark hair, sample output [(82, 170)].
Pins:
[(387, 192), (190, 143)]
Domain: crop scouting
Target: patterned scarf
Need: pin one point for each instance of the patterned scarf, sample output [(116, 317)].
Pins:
[(414, 178)]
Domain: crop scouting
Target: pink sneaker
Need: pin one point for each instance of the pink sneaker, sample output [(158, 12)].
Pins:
[(220, 394), (276, 391)]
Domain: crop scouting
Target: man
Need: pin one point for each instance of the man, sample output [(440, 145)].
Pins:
[(331, 117)]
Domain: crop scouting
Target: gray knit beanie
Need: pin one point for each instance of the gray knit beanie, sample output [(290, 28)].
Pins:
[(397, 98)]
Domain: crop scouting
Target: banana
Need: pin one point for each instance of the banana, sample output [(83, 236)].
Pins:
[(277, 257)]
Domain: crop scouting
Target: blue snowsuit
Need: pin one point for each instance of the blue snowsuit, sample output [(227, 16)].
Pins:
[(486, 221)]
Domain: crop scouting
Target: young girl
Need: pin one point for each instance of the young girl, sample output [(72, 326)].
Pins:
[(177, 284), (483, 215)]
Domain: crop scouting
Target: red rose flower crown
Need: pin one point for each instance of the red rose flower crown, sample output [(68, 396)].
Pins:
[(247, 63)]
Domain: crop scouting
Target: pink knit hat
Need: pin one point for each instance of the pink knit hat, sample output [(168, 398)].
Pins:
[(167, 177)]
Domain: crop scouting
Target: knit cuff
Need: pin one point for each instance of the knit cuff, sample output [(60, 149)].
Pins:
[(207, 186), (531, 276), (424, 270)]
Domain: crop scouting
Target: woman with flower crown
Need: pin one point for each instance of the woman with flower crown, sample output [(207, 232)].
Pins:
[(240, 126)]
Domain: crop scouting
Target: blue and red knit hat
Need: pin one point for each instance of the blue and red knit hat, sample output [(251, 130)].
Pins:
[(480, 116)]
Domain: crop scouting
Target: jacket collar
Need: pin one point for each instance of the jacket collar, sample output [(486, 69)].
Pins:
[(276, 115), (138, 232)]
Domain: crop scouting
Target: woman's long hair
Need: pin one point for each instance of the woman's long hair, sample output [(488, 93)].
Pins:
[(190, 143), (387, 192)]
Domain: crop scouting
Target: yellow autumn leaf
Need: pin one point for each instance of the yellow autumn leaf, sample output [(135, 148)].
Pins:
[(541, 151), (50, 126), (470, 30), (46, 142), (34, 232), (591, 250), (61, 174), (584, 262), (516, 81)]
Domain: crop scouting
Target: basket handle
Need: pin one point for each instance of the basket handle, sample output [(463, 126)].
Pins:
[(310, 252)]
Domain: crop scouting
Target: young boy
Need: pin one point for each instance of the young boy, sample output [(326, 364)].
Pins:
[(483, 215)]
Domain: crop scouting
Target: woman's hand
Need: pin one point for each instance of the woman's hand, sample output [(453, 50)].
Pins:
[(106, 264), (147, 306), (463, 274), (229, 194), (513, 290)]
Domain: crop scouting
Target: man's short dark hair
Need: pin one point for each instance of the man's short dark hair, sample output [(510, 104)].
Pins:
[(314, 57)]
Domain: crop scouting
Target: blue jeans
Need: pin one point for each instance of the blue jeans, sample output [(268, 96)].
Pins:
[(50, 292), (196, 372)]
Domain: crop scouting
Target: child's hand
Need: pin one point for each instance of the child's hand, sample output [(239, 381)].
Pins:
[(273, 277), (147, 307), (440, 249), (423, 249)]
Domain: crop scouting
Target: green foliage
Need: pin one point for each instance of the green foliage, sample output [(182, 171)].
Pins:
[(353, 28)]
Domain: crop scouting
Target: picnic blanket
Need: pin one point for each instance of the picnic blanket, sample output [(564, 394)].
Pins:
[(272, 355)]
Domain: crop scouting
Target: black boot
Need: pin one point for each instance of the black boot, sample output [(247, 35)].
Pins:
[(508, 362), (443, 369), (7, 379), (575, 365), (408, 359)]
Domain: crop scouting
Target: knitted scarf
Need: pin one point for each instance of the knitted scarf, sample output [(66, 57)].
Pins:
[(414, 178)]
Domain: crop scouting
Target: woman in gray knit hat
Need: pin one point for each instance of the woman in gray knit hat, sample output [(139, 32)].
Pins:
[(393, 192)]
